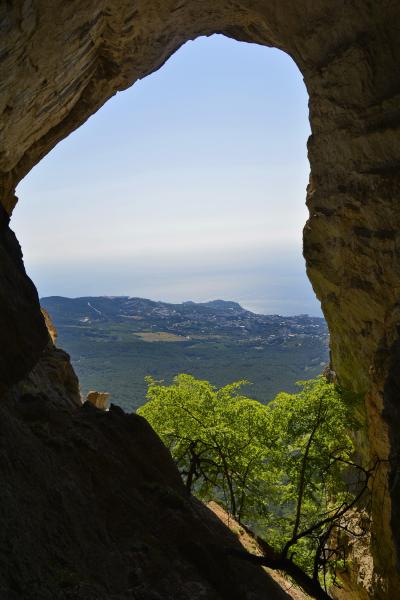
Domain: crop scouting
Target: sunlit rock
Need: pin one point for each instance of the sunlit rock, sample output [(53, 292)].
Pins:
[(99, 399)]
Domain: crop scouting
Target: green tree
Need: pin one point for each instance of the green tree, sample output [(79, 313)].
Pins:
[(213, 434), (284, 470)]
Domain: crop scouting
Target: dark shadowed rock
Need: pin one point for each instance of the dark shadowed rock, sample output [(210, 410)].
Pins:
[(92, 506), (23, 334)]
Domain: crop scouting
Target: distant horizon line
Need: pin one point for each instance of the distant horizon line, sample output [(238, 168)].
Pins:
[(113, 297)]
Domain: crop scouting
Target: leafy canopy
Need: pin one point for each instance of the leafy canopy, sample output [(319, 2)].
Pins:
[(213, 434), (278, 468)]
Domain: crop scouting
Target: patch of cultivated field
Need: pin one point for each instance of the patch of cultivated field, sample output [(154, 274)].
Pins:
[(160, 336)]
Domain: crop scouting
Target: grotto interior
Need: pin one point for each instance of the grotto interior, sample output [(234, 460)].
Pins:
[(81, 487)]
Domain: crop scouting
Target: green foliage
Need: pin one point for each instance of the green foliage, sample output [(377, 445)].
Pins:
[(283, 469), (213, 434), (308, 451)]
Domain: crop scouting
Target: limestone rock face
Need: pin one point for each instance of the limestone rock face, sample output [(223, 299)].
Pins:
[(51, 328), (98, 399), (60, 61), (52, 378)]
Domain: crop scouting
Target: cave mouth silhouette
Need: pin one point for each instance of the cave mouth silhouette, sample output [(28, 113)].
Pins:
[(351, 72), (219, 164)]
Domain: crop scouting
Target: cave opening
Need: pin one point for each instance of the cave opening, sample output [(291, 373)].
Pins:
[(188, 186)]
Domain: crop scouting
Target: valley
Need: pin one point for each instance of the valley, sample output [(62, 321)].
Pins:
[(114, 342)]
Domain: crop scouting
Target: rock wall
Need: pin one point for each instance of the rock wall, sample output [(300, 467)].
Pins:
[(93, 508), (23, 333), (99, 399), (52, 381), (60, 61)]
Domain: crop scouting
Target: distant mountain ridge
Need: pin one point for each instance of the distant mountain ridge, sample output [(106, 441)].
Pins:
[(223, 304), (110, 307)]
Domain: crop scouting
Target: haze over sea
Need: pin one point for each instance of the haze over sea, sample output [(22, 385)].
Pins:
[(189, 185)]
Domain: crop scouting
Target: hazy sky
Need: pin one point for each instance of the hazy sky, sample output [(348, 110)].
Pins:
[(189, 185)]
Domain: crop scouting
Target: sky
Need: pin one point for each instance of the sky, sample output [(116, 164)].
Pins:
[(188, 186)]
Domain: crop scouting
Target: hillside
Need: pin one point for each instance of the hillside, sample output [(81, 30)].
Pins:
[(114, 342)]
